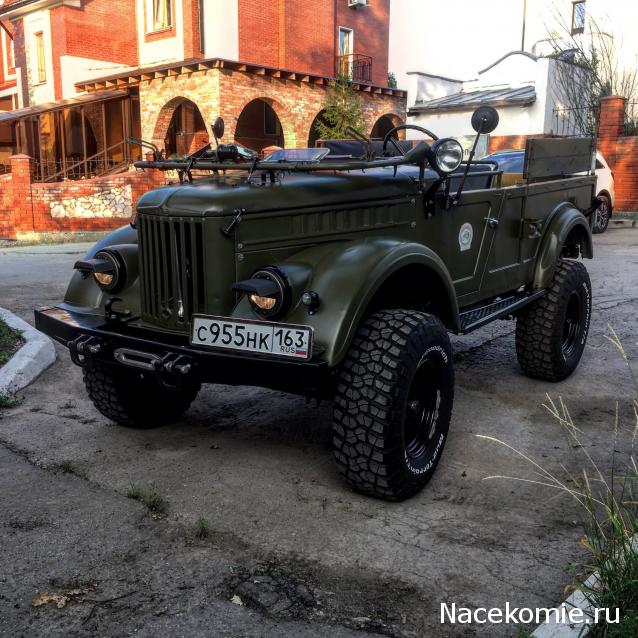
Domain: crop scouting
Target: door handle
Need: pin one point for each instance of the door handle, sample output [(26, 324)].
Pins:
[(491, 222)]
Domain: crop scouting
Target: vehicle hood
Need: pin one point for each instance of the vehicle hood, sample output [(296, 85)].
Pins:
[(223, 195)]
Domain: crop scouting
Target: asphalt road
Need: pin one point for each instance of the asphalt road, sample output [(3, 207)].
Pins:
[(304, 554)]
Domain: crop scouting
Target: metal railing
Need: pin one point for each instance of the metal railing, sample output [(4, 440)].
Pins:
[(5, 168), (631, 118), (75, 167), (575, 121), (355, 66)]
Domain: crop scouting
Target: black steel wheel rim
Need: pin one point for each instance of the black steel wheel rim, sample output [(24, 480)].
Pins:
[(422, 414), (573, 323)]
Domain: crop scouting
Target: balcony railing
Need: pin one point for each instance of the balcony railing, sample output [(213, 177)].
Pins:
[(355, 66)]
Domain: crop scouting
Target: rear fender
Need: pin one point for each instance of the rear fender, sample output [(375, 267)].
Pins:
[(567, 225), (346, 277)]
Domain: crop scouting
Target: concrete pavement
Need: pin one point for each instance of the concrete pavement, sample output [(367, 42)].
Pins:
[(305, 554)]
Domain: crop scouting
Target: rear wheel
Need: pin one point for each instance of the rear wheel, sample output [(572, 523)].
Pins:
[(602, 215), (135, 399), (551, 332), (394, 403)]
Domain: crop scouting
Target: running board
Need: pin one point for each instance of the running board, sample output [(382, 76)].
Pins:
[(477, 317)]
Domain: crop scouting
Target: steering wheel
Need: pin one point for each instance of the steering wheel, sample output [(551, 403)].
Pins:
[(403, 127)]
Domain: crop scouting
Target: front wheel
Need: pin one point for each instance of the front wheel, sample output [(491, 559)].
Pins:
[(135, 399), (551, 332), (394, 403)]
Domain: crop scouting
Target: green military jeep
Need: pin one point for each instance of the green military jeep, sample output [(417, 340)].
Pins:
[(335, 274)]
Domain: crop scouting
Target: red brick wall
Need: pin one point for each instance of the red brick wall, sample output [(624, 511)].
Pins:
[(310, 37), (507, 142), (259, 31), (620, 152), (302, 36), (25, 207), (6, 207), (20, 58), (371, 26), (100, 30), (191, 30)]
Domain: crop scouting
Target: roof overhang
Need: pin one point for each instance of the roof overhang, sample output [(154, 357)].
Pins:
[(186, 67), (508, 96), (87, 98), (19, 8)]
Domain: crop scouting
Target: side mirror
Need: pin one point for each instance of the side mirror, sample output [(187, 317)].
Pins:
[(484, 119), (218, 128)]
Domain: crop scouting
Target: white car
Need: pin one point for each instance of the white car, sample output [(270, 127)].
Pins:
[(512, 162), (605, 189)]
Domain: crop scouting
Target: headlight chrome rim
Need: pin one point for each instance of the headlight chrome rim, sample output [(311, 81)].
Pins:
[(282, 299), (118, 272), (453, 149)]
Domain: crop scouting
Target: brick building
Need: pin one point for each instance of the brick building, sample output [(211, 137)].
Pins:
[(90, 73)]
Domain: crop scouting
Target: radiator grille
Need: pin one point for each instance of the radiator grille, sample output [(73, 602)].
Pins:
[(171, 269)]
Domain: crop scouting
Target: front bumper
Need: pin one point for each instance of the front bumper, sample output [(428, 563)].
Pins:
[(173, 359)]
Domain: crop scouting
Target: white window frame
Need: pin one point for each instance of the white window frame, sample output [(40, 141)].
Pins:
[(150, 17), (581, 29), (351, 40), (36, 59)]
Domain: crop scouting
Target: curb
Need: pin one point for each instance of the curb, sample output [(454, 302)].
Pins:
[(28, 363), (557, 629)]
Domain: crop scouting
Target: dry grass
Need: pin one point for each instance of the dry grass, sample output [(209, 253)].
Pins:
[(609, 503)]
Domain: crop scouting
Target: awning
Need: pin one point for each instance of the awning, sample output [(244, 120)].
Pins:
[(98, 96), (520, 96)]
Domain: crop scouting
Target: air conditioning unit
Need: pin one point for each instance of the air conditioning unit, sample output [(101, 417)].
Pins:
[(357, 3)]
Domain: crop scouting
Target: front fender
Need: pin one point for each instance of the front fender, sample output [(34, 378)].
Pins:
[(346, 276), (565, 220), (85, 296)]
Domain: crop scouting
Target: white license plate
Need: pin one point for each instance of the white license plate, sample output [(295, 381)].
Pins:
[(262, 337)]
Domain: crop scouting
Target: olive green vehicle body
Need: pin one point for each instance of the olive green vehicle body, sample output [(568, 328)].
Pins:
[(362, 240)]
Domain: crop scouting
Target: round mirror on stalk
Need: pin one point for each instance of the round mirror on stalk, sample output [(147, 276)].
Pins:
[(218, 128), (484, 119)]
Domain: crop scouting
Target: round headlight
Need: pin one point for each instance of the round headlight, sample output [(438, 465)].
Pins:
[(277, 303), (448, 155), (111, 279)]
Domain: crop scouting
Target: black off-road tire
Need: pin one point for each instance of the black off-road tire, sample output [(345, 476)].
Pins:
[(602, 215), (393, 404), (133, 399), (551, 332)]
